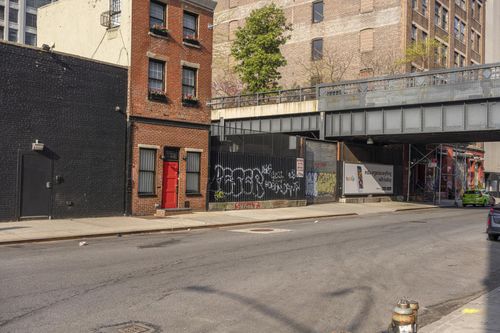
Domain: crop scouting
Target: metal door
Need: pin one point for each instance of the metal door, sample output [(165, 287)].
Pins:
[(36, 185)]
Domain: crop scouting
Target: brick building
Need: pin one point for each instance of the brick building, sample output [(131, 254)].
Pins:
[(62, 135), (338, 40), (168, 48)]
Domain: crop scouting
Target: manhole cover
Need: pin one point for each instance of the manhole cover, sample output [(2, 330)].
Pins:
[(130, 327), (261, 230)]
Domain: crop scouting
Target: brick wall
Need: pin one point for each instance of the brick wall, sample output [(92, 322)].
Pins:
[(68, 103), (161, 135), (174, 125), (340, 29)]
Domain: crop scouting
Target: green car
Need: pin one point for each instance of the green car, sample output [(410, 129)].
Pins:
[(477, 198)]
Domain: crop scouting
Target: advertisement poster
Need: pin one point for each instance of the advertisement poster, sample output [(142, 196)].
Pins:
[(300, 168), (368, 178)]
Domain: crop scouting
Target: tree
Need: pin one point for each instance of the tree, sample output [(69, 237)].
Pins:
[(257, 48), (421, 52), (332, 66)]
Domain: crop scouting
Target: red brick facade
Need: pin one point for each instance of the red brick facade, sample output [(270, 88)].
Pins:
[(170, 123)]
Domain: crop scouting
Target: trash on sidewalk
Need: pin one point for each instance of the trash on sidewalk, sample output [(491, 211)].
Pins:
[(83, 243)]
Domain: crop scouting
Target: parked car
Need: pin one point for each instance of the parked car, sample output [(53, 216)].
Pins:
[(477, 198), (493, 229)]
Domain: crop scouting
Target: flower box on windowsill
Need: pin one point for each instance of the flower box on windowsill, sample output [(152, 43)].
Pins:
[(159, 31), (190, 102), (191, 40), (157, 95)]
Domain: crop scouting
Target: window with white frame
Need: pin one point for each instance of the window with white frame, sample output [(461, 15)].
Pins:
[(193, 172), (190, 26), (156, 75), (157, 12), (188, 83), (147, 171)]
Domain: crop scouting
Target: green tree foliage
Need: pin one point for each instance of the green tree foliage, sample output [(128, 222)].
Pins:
[(421, 52), (257, 48)]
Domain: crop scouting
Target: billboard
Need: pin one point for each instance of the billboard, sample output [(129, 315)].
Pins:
[(368, 178)]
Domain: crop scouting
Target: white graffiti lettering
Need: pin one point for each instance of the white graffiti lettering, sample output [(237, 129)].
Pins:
[(255, 182)]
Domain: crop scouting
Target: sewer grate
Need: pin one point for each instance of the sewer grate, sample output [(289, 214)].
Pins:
[(262, 230), (130, 327)]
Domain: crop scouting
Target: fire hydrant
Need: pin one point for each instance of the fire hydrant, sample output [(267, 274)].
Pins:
[(404, 317)]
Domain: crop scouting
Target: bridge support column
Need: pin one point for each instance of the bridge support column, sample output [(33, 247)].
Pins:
[(406, 170), (322, 125)]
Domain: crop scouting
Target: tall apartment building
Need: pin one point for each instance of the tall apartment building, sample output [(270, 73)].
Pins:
[(492, 31), (167, 46), (18, 20), (359, 38)]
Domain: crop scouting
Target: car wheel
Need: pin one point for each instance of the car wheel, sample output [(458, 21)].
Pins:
[(492, 237)]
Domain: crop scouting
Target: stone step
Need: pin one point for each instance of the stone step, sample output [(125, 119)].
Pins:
[(163, 212)]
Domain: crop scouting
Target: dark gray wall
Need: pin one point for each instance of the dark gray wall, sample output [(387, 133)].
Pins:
[(67, 103)]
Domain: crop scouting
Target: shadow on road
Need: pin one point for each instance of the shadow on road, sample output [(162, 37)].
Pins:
[(256, 305)]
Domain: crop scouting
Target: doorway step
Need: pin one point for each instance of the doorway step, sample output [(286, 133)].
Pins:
[(172, 211)]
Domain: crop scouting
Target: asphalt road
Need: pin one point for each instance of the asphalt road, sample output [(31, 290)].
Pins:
[(335, 275)]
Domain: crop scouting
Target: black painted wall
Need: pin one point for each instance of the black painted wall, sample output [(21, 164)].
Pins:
[(68, 103)]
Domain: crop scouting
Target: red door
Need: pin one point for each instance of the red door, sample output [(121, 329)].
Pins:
[(170, 176)]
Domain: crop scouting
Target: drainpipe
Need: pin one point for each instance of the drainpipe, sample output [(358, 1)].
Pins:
[(409, 174)]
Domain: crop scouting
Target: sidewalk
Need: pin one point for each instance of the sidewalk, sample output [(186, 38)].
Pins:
[(46, 230), (479, 316)]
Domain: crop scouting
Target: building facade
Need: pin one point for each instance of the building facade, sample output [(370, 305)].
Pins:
[(63, 135), (337, 40), (168, 48), (18, 20), (492, 31)]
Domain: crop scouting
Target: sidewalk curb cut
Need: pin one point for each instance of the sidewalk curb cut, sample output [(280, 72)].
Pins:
[(153, 231)]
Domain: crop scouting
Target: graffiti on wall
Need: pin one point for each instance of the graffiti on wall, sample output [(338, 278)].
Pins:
[(254, 182), (320, 184)]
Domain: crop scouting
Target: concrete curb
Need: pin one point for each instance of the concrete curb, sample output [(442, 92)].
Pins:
[(414, 208), (153, 231)]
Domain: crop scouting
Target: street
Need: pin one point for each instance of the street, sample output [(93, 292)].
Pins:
[(328, 275)]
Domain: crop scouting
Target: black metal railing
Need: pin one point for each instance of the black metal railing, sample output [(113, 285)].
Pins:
[(442, 77), (271, 97)]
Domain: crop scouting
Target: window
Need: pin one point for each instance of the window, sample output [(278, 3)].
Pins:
[(441, 16), (30, 38), (156, 14), (190, 26), (317, 11), (473, 8), (115, 12), (12, 35), (424, 7), (193, 173), (444, 19), (156, 75), (460, 3), (414, 33), (13, 15), (317, 49), (147, 168), (31, 3), (31, 20), (459, 29), (444, 55), (413, 4), (2, 12), (188, 83), (459, 60), (424, 36), (1, 32)]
